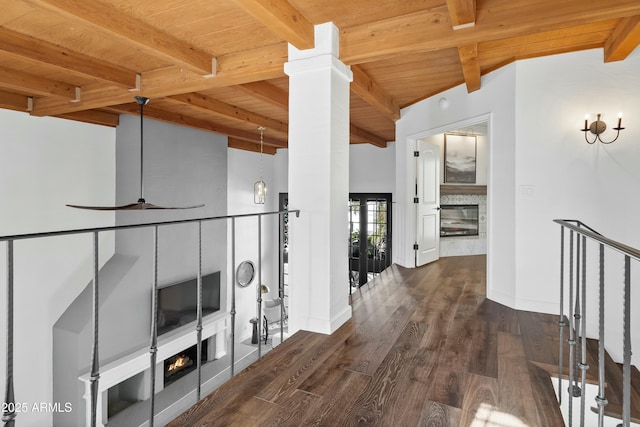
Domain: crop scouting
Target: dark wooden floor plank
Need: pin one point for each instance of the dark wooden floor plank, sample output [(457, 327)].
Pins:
[(381, 394), (244, 412), (288, 412), (483, 357), (323, 380), (424, 348), (369, 345), (439, 415), (229, 397), (516, 394), (415, 384), (544, 395), (300, 368), (331, 409), (481, 393)]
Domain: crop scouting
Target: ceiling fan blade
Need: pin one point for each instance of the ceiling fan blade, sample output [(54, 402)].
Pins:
[(106, 208), (139, 206), (152, 206)]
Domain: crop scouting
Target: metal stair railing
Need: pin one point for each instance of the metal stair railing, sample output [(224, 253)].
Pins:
[(579, 233), (9, 407)]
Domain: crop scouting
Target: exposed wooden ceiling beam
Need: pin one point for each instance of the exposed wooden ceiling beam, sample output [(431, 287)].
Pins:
[(373, 94), (624, 40), (33, 49), (266, 92), (34, 85), (134, 31), (361, 134), (242, 144), (95, 117), (470, 66), (182, 120), (13, 101), (283, 19), (462, 13), (238, 68), (280, 98), (216, 108), (429, 30)]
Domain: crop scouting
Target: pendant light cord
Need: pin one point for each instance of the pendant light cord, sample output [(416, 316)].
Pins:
[(261, 129)]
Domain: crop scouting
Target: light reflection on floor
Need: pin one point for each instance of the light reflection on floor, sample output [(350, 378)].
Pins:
[(489, 416)]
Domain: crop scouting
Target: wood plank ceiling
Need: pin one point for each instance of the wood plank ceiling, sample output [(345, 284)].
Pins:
[(218, 65)]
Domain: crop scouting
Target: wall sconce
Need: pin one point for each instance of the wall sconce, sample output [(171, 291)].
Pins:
[(598, 127)]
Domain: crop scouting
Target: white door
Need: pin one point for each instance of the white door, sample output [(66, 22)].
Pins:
[(428, 203)]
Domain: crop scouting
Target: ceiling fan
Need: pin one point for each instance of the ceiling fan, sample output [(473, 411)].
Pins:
[(141, 204)]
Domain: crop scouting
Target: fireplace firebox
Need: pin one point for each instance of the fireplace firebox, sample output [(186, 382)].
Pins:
[(458, 220), (180, 364)]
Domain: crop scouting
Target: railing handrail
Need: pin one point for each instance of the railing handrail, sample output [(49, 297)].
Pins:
[(590, 233), (138, 225), (577, 282), (9, 413)]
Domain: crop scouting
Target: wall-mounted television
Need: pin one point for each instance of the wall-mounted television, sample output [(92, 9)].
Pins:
[(177, 303)]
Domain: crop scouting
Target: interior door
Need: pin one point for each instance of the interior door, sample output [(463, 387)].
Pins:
[(427, 203)]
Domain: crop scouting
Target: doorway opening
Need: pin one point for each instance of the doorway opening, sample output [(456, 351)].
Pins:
[(454, 196), (369, 236)]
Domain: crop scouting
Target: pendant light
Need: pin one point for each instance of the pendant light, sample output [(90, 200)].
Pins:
[(141, 204), (260, 188)]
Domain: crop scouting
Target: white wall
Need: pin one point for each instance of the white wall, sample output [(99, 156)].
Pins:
[(46, 163), (371, 168), (244, 170), (494, 103), (571, 179)]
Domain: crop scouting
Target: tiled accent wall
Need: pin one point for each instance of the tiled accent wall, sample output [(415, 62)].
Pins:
[(466, 245)]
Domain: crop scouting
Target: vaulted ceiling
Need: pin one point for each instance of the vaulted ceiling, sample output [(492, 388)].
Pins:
[(217, 65)]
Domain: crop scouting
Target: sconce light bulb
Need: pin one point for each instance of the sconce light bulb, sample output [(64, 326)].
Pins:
[(620, 115)]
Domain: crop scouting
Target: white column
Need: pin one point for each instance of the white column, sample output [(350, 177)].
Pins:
[(318, 184)]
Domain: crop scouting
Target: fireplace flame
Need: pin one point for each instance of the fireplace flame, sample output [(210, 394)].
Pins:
[(181, 361)]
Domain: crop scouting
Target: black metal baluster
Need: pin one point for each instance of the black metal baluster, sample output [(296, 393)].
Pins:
[(577, 314), (153, 348), (233, 295), (626, 366), (601, 400), (571, 341), (95, 360), (259, 299), (561, 322), (9, 411), (199, 313), (281, 285), (583, 353)]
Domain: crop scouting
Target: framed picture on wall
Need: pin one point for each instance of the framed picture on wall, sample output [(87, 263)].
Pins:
[(459, 159)]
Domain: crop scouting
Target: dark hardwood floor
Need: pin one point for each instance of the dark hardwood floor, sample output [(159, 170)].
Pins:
[(424, 348)]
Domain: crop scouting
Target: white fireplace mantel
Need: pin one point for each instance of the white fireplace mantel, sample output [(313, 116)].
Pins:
[(117, 371)]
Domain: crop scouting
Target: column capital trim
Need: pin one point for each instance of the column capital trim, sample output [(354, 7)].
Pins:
[(315, 63), (327, 41)]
